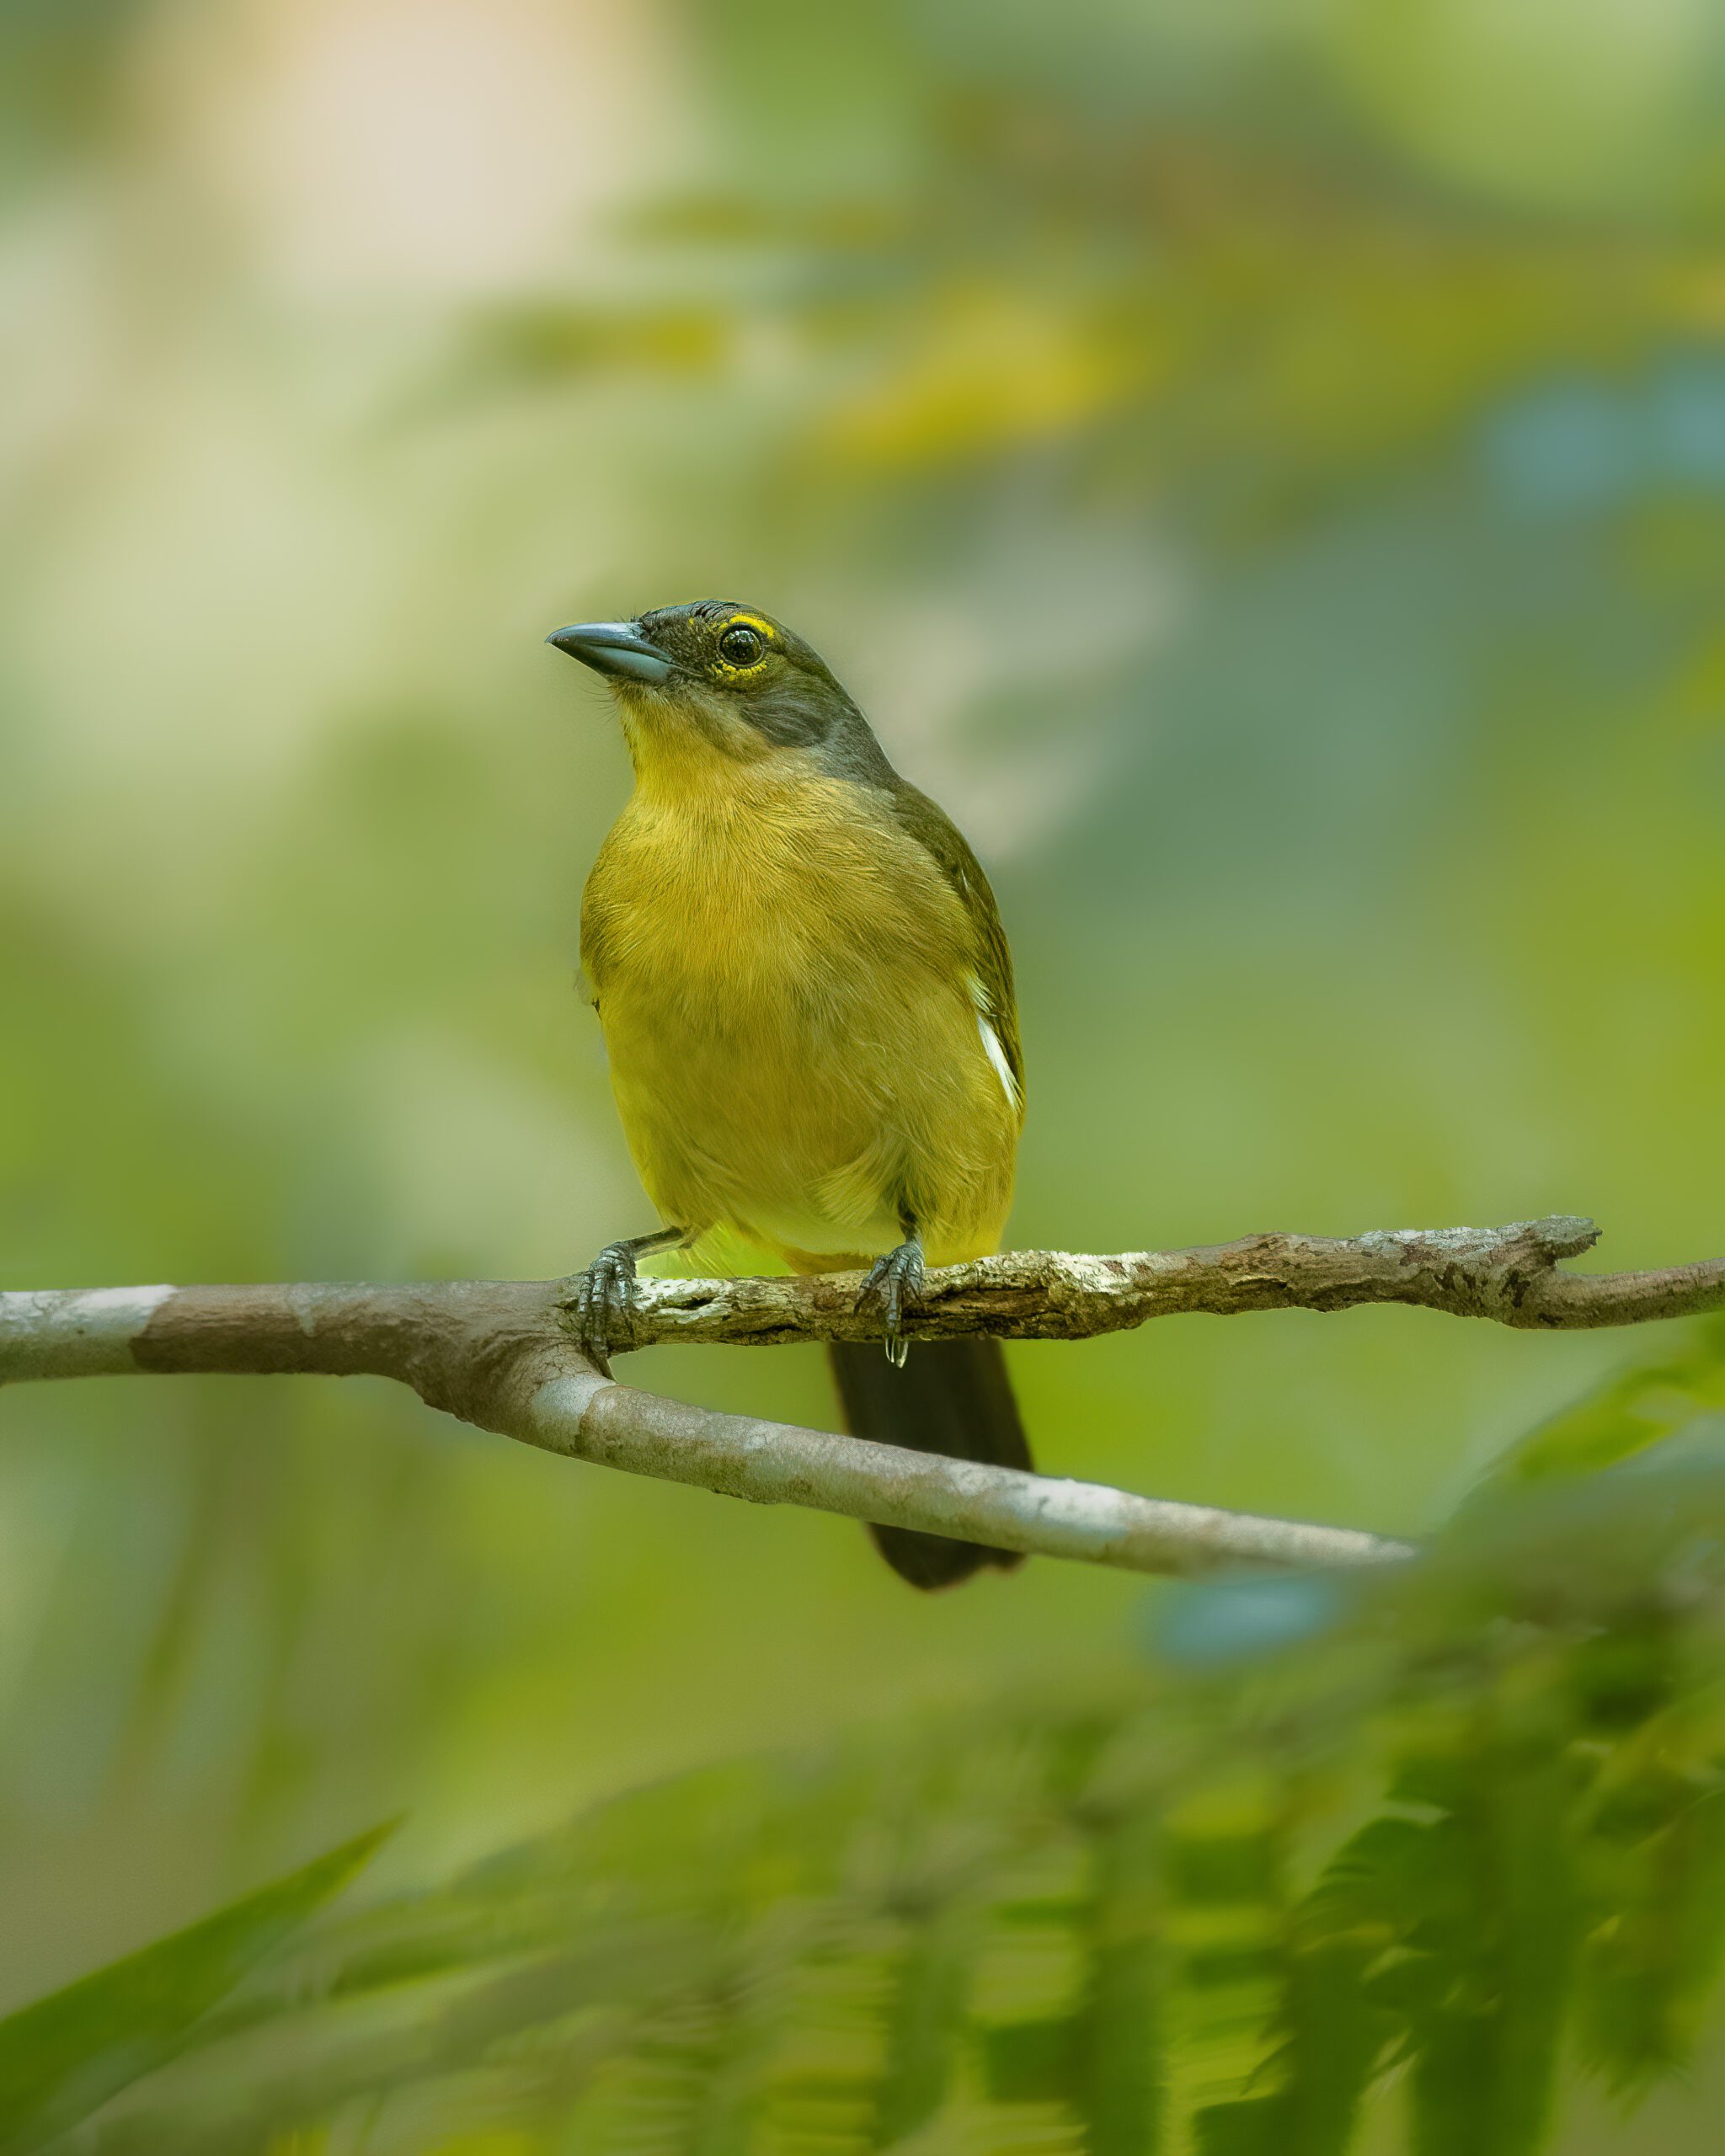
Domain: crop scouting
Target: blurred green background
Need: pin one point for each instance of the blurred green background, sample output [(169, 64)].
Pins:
[(1261, 467)]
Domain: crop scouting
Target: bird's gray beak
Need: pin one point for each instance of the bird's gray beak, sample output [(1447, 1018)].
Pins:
[(616, 648)]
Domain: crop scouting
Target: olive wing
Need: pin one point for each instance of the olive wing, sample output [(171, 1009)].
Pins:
[(935, 831)]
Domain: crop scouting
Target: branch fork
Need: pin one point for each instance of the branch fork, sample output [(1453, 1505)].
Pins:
[(504, 1355)]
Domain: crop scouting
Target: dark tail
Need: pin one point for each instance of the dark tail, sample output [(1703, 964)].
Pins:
[(952, 1396)]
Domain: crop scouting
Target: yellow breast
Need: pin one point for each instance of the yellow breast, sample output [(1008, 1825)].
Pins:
[(785, 980)]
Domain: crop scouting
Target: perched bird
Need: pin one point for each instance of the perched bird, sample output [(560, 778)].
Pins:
[(806, 1001)]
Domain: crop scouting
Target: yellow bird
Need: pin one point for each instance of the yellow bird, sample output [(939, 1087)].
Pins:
[(806, 1001)]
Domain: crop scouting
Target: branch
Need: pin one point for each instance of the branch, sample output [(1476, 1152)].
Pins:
[(1509, 1274), (501, 1354), (498, 1354)]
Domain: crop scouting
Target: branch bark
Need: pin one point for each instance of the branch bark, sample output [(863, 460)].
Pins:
[(502, 1355), (1511, 1275)]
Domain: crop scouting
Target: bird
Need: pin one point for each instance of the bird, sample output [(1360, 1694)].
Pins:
[(807, 1002)]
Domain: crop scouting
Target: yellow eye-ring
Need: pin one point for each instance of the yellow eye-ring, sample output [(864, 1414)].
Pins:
[(742, 646)]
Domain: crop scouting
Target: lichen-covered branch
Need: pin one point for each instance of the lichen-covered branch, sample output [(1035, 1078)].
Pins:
[(502, 1354), (1511, 1275)]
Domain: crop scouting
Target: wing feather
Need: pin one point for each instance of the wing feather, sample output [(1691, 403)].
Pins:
[(991, 960)]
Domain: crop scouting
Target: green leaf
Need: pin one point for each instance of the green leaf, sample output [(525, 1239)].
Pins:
[(1117, 2037), (64, 2056), (1649, 1971), (1642, 1407)]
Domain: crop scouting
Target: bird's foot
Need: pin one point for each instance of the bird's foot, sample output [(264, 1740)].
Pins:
[(606, 1307), (604, 1304), (893, 1281)]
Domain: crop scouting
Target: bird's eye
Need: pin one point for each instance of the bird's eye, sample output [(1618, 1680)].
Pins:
[(741, 646)]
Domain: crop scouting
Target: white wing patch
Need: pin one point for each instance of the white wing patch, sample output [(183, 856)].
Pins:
[(992, 1043)]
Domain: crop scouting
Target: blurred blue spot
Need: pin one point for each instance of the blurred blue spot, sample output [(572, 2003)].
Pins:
[(1568, 447), (1686, 421), (1217, 1621)]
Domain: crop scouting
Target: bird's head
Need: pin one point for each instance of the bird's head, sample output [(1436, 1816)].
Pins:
[(727, 679)]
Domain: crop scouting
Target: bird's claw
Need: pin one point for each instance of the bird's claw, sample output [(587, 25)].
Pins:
[(892, 1281), (607, 1304)]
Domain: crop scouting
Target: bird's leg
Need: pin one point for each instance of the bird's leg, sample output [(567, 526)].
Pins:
[(608, 1290), (893, 1281)]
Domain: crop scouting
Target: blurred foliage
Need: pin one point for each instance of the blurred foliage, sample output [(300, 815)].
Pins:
[(1411, 1857), (63, 2058), (1263, 466), (1248, 337)]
